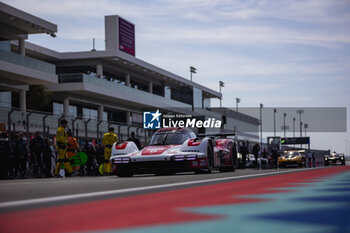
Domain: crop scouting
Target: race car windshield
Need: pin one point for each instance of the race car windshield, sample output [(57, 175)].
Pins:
[(292, 154), (168, 139)]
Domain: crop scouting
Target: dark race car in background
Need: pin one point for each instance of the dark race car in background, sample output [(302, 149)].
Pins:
[(334, 158), (173, 150)]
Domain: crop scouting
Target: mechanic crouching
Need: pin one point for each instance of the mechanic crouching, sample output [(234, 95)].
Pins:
[(108, 140)]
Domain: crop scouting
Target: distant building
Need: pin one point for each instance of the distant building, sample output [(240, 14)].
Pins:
[(93, 89)]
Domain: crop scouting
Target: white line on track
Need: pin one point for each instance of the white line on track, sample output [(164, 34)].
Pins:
[(111, 192)]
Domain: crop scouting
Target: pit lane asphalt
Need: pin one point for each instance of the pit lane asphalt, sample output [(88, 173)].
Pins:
[(37, 193)]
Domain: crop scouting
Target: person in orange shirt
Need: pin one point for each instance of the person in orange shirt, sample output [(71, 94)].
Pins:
[(72, 148)]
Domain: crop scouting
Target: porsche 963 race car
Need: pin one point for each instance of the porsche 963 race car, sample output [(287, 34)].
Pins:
[(173, 150)]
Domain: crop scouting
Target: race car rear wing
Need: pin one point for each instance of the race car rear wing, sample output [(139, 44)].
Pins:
[(215, 135)]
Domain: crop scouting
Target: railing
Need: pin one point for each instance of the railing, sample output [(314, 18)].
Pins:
[(27, 62), (29, 122), (120, 88)]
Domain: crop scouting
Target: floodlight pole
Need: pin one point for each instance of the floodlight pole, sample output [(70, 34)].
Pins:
[(300, 111), (306, 126), (238, 100), (261, 106), (192, 71), (293, 127), (274, 122), (221, 84), (284, 124)]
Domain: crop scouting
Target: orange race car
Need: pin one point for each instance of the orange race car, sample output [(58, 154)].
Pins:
[(292, 158)]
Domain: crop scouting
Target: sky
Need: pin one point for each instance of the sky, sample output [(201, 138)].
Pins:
[(286, 53)]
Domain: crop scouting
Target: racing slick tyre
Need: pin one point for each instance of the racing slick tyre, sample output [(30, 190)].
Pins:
[(210, 162), (233, 158), (303, 164), (233, 166), (210, 158)]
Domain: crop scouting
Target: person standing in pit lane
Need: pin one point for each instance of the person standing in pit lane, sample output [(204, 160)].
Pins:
[(48, 154), (309, 159), (61, 140), (72, 147), (135, 140), (108, 140), (5, 150), (244, 151), (274, 153), (37, 146), (20, 155), (256, 149)]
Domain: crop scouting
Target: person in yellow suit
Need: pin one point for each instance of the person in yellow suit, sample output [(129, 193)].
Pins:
[(61, 142), (108, 140)]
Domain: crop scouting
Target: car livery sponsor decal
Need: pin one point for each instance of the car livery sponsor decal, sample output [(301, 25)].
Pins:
[(155, 150)]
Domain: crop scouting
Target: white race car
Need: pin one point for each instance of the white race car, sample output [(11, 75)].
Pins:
[(174, 150), (334, 158), (262, 162)]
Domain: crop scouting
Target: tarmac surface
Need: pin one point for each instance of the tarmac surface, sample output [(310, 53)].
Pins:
[(15, 193), (284, 200)]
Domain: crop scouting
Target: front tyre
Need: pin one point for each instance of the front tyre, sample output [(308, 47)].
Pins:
[(232, 167), (343, 162), (210, 158)]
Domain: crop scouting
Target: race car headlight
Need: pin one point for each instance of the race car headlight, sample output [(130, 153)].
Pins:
[(173, 151), (178, 158), (191, 157), (184, 157), (122, 160), (326, 158)]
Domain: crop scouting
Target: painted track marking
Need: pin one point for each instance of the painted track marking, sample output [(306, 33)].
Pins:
[(120, 191)]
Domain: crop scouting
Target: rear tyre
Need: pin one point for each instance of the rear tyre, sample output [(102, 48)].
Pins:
[(326, 163), (210, 158), (233, 158), (232, 167), (210, 162)]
